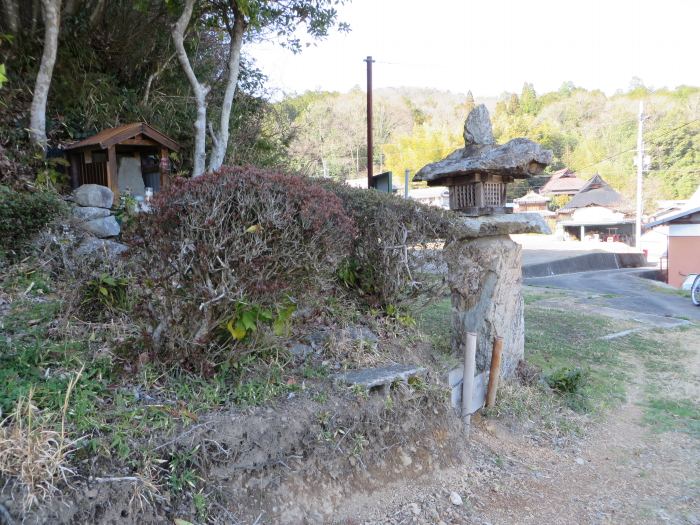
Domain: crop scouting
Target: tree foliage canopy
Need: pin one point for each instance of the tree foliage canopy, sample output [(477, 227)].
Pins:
[(588, 132)]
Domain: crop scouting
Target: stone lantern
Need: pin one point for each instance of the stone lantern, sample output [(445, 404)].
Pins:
[(483, 263), (477, 175)]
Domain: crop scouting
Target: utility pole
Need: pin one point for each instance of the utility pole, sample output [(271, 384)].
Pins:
[(407, 173), (640, 173), (370, 166)]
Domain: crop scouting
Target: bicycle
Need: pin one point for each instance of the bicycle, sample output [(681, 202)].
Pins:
[(695, 291)]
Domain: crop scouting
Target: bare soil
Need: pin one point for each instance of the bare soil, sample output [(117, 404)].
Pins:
[(621, 471)]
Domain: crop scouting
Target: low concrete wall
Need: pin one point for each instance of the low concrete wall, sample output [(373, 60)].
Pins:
[(585, 263)]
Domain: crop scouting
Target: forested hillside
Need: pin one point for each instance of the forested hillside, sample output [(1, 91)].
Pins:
[(119, 62), (588, 131)]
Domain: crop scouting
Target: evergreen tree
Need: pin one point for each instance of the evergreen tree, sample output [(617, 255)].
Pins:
[(528, 100)]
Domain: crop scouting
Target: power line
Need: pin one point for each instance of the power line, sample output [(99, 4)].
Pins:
[(668, 132)]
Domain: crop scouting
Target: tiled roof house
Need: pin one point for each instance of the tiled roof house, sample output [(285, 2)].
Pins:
[(562, 182)]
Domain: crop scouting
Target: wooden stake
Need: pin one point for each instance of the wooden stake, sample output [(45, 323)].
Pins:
[(113, 174), (468, 379), (495, 373)]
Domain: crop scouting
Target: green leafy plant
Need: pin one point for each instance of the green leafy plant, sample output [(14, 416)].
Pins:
[(280, 325), (359, 391), (400, 315), (200, 505), (245, 320), (359, 443), (3, 72), (347, 273), (565, 380), (183, 475), (315, 372), (107, 292)]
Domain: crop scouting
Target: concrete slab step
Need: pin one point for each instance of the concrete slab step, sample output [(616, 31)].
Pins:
[(378, 377)]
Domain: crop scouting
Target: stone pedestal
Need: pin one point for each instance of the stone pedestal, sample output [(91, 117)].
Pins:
[(485, 277)]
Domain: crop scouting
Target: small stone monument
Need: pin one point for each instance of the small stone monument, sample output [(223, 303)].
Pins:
[(478, 173)]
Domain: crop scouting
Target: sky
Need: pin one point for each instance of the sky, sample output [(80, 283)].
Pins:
[(493, 46)]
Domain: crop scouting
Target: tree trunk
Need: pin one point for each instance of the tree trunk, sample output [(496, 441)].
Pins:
[(11, 15), (200, 91), (52, 22), (220, 140)]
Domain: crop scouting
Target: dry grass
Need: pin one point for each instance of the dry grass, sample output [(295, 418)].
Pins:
[(32, 452), (537, 413)]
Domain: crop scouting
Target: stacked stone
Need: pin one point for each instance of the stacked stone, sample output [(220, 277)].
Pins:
[(92, 213)]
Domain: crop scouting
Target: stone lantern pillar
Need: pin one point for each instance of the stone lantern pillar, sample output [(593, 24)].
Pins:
[(484, 264)]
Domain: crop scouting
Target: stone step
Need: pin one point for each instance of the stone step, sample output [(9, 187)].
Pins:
[(382, 377)]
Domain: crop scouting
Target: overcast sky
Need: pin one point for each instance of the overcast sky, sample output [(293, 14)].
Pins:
[(493, 46)]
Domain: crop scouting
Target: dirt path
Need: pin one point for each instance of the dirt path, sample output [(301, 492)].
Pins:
[(620, 472)]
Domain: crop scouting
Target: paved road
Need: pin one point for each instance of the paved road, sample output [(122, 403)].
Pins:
[(627, 292)]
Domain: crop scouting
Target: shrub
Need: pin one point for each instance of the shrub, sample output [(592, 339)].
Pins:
[(22, 215), (565, 380), (396, 256), (224, 245)]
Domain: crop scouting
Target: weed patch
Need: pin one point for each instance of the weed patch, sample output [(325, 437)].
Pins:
[(566, 346), (539, 413), (666, 414)]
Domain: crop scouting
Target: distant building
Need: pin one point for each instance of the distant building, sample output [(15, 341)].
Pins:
[(682, 232), (597, 212), (432, 196), (562, 182), (532, 203), (669, 207), (357, 183)]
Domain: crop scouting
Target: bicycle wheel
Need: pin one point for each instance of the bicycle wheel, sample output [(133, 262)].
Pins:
[(695, 291)]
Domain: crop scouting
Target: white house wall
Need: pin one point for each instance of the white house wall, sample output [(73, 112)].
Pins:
[(684, 230), (596, 214)]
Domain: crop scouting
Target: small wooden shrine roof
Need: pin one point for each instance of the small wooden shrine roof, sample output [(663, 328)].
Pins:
[(125, 135)]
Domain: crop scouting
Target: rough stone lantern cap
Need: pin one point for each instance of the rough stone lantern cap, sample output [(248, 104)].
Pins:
[(517, 159)]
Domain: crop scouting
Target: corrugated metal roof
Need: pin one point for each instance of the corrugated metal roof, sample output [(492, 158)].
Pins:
[(673, 217), (112, 136)]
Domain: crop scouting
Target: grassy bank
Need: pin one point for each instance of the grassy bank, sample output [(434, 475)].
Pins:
[(588, 375)]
